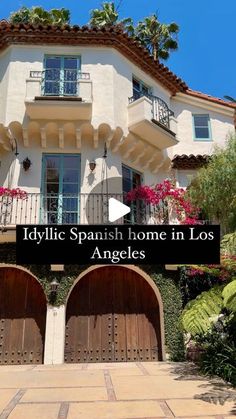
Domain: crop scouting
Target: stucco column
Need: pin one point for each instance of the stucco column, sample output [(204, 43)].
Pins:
[(55, 335)]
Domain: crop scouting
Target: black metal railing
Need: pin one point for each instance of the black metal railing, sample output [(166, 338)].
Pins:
[(160, 111), (58, 82), (91, 208)]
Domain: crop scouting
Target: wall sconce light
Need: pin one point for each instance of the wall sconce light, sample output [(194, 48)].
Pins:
[(92, 165), (26, 164), (54, 286)]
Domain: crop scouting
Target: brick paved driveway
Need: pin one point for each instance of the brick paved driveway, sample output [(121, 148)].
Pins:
[(100, 391)]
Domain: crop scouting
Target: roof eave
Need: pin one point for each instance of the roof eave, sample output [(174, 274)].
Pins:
[(74, 35)]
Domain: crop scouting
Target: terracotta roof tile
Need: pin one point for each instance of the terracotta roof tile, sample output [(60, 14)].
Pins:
[(190, 161), (75, 35), (114, 37), (210, 98)]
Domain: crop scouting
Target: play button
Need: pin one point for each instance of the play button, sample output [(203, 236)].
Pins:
[(104, 203), (116, 210)]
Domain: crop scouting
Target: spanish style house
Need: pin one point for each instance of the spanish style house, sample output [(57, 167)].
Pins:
[(79, 106)]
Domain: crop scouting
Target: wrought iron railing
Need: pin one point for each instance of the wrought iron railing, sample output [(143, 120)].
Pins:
[(57, 82), (91, 208), (160, 111)]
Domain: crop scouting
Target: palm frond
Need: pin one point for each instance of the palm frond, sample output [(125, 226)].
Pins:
[(173, 27), (231, 99), (159, 38), (228, 244), (197, 316), (229, 296)]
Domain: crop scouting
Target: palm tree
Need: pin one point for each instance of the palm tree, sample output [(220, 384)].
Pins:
[(60, 17), (20, 16), (38, 15), (108, 16), (158, 38)]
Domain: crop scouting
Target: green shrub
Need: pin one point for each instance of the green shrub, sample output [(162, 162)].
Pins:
[(168, 286), (220, 359), (219, 355)]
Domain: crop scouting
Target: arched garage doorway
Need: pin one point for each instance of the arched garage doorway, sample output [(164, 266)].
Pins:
[(114, 314), (22, 317)]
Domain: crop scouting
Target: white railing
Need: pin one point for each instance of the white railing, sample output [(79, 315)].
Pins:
[(73, 84)]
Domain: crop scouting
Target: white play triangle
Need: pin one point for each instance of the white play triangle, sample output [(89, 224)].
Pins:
[(117, 209)]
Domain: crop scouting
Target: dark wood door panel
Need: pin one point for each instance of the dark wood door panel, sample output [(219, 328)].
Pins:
[(22, 318), (105, 282), (95, 318), (112, 315), (77, 325), (119, 317)]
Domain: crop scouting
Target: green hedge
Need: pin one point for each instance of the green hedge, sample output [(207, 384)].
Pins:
[(168, 285), (167, 282)]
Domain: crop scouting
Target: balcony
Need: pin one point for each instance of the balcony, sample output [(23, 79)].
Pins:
[(52, 96), (150, 118), (73, 209)]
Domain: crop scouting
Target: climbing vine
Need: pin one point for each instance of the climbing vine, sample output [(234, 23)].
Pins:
[(165, 194)]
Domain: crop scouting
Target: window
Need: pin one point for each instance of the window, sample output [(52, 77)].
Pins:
[(202, 129), (60, 76), (140, 89), (131, 179), (60, 188)]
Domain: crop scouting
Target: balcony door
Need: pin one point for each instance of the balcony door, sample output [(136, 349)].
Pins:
[(60, 76), (140, 89), (60, 189), (131, 180)]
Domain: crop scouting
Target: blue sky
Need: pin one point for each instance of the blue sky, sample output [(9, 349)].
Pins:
[(206, 59)]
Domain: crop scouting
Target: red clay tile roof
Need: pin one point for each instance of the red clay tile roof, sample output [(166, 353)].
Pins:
[(114, 37), (210, 98), (74, 35), (191, 161)]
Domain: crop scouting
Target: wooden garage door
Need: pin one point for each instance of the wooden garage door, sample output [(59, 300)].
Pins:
[(112, 316), (22, 318)]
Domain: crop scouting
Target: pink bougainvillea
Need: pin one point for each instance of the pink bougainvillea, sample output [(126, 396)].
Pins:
[(224, 271), (13, 193), (176, 197), (195, 271)]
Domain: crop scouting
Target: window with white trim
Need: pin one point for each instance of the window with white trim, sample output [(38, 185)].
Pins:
[(202, 127)]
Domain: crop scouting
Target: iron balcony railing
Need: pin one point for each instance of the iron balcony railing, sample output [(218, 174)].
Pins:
[(91, 208), (160, 111), (57, 82)]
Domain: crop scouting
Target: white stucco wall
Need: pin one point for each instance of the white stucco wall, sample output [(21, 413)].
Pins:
[(21, 62), (5, 60), (221, 121), (110, 72), (184, 177), (12, 174), (111, 75), (55, 335)]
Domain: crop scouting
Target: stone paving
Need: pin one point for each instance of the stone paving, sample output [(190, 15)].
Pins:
[(111, 391)]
